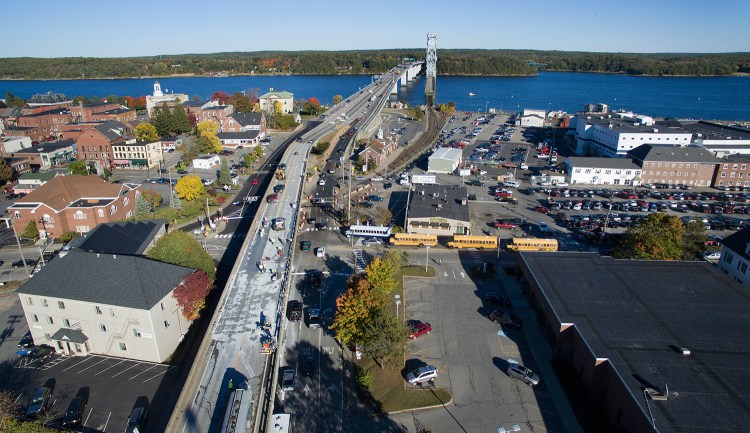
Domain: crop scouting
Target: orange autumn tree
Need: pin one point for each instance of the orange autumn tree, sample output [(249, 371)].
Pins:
[(353, 310), (191, 294)]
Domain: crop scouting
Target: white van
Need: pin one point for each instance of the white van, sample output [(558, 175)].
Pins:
[(512, 183), (524, 166), (321, 252)]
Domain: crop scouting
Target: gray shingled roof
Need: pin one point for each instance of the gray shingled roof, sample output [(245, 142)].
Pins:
[(245, 119), (112, 129), (584, 162), (132, 237), (124, 281), (665, 152), (72, 335), (48, 147), (449, 197)]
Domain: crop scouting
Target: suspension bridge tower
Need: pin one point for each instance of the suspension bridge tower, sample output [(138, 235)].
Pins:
[(431, 66)]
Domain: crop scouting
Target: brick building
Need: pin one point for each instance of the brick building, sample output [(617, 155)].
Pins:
[(675, 165), (377, 151), (734, 170), (49, 123), (34, 133), (95, 143), (102, 112), (74, 204)]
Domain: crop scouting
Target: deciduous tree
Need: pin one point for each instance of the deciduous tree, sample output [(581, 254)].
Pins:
[(658, 237), (146, 132), (385, 337), (6, 171), (189, 187), (312, 106), (353, 309), (78, 167), (222, 97), (180, 248), (191, 294), (241, 103), (337, 99), (693, 240), (379, 273), (153, 198)]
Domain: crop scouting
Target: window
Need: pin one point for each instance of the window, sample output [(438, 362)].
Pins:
[(98, 310), (100, 212), (123, 347), (136, 333), (45, 303), (79, 215), (126, 201), (16, 214), (112, 210), (113, 312), (30, 301), (743, 268), (162, 306), (34, 318), (61, 305), (66, 322), (50, 320), (102, 327), (166, 324)]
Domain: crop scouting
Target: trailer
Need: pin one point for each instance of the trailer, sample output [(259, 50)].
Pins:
[(423, 179)]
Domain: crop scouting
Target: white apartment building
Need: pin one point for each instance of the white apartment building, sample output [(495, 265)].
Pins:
[(601, 171), (614, 134), (735, 256), (86, 303)]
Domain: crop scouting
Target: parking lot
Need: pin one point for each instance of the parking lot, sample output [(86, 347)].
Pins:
[(113, 386)]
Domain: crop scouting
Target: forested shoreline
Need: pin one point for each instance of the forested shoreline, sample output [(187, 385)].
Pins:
[(467, 62)]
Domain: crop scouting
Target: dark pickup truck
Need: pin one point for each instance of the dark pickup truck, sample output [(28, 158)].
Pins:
[(506, 318)]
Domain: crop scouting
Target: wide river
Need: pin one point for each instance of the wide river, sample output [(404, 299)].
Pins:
[(726, 98)]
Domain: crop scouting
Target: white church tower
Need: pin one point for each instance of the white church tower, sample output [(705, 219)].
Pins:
[(157, 89)]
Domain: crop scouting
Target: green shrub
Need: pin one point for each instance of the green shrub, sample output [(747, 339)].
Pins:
[(365, 379), (68, 236), (321, 147)]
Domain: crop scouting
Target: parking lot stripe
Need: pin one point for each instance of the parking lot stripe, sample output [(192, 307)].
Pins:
[(123, 371), (157, 375), (77, 364), (92, 365), (144, 371), (111, 366)]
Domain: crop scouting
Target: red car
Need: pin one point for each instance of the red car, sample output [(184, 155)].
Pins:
[(417, 329), (504, 225), (541, 209), (255, 181)]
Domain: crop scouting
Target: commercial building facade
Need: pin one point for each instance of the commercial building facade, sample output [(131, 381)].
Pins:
[(438, 210), (444, 160), (601, 171), (675, 165)]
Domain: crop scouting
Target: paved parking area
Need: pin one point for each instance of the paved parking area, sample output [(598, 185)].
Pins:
[(113, 386), (472, 353)]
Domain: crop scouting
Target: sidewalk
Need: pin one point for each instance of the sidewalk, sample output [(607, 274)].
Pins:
[(542, 352)]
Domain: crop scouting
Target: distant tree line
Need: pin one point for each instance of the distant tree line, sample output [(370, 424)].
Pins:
[(450, 62)]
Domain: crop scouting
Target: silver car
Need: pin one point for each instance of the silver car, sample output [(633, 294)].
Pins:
[(422, 374), (520, 372), (372, 242)]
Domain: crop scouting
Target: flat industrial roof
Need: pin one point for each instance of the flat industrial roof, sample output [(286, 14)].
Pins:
[(635, 312)]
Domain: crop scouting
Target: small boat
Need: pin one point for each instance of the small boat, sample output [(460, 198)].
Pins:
[(471, 94)]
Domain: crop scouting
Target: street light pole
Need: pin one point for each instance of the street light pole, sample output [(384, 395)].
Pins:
[(398, 302), (9, 221), (427, 257)]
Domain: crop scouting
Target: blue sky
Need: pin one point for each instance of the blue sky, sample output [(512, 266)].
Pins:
[(47, 28)]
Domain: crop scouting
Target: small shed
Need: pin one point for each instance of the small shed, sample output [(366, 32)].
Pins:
[(206, 161), (444, 160)]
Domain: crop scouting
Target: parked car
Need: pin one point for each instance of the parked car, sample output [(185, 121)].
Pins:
[(422, 374), (74, 413), (518, 371), (19, 263), (38, 352), (26, 341), (713, 255), (39, 401), (497, 299), (417, 329), (136, 421), (504, 225), (287, 379), (374, 198), (305, 245), (541, 209), (372, 242), (505, 318)]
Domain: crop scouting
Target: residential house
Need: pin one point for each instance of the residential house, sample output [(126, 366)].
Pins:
[(28, 182), (734, 170), (602, 171), (90, 303), (137, 154), (95, 143), (376, 151), (268, 101), (74, 204), (674, 165), (243, 129), (46, 155)]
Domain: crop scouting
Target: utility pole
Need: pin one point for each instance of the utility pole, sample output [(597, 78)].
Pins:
[(9, 222), (349, 214)]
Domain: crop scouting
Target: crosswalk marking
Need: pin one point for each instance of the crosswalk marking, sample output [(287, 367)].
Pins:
[(229, 235), (359, 261)]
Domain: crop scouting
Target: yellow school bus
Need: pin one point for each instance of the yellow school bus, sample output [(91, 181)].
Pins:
[(413, 240), (532, 244), (469, 241)]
